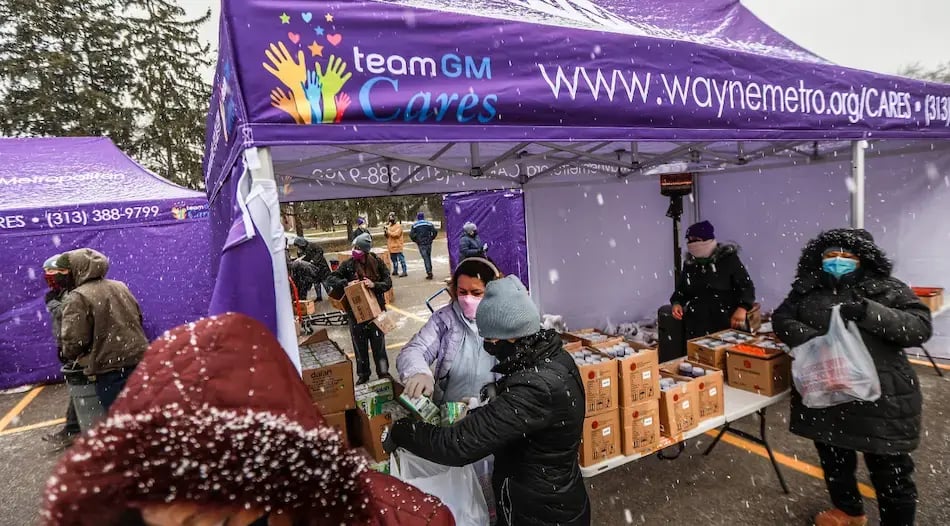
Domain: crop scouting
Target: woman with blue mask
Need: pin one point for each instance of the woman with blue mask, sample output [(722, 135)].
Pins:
[(845, 267)]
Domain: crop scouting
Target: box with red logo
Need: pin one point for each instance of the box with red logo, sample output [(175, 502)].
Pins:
[(601, 388), (639, 376), (641, 428), (709, 387), (593, 337), (679, 408), (601, 438), (759, 370)]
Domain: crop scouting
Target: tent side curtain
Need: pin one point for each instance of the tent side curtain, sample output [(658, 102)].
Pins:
[(383, 72)]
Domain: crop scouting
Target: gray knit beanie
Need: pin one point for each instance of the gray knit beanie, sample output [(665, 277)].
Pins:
[(469, 228), (507, 312), (363, 242)]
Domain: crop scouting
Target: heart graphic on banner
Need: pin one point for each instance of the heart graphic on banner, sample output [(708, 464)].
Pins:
[(307, 17), (294, 37), (335, 39)]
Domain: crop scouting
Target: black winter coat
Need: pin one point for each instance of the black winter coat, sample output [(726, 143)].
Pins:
[(471, 246), (533, 427), (710, 290), (372, 268), (305, 275), (895, 319)]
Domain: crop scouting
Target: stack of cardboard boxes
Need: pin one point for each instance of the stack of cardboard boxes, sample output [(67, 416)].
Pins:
[(621, 386), (704, 382), (751, 363)]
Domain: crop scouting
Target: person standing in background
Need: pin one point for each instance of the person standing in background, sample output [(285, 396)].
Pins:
[(366, 267), (361, 228), (470, 245), (310, 270), (57, 279), (396, 244), (715, 291), (423, 233), (102, 323)]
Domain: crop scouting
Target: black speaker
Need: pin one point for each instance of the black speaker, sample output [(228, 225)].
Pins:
[(672, 335)]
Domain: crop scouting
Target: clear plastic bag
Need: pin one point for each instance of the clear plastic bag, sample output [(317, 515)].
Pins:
[(457, 487), (835, 368)]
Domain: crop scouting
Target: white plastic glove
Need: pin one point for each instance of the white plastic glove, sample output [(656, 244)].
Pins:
[(420, 384), (485, 247)]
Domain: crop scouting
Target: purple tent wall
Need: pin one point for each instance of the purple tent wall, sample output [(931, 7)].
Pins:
[(165, 266), (600, 249), (500, 217)]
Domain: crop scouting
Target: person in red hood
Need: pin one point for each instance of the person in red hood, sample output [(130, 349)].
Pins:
[(216, 427)]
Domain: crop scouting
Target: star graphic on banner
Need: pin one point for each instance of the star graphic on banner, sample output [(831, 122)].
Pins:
[(329, 17), (318, 30), (284, 18), (316, 50)]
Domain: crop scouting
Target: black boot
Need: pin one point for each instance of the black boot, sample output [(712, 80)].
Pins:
[(429, 276)]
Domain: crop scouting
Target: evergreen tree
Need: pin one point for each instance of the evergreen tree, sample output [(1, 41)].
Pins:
[(169, 89), (66, 69)]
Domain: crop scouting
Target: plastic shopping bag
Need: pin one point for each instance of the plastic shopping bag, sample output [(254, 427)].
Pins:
[(457, 487), (835, 368)]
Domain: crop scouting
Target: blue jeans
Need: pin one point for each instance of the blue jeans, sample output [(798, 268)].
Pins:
[(396, 259), (110, 384), (426, 251)]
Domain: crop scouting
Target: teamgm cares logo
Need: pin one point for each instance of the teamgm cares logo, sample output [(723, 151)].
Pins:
[(182, 211), (312, 91)]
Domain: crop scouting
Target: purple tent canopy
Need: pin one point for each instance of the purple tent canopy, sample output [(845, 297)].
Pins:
[(59, 194), (575, 103)]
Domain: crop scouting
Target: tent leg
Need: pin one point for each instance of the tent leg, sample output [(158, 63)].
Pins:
[(857, 176)]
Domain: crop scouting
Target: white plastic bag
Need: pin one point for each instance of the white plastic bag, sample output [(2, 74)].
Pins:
[(835, 368), (458, 488)]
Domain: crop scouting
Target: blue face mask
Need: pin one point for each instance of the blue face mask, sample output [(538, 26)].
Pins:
[(839, 267)]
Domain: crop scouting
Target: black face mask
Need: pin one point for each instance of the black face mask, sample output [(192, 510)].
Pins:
[(501, 349), (65, 281)]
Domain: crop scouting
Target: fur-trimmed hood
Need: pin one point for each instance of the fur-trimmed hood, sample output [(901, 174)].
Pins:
[(723, 250), (858, 241)]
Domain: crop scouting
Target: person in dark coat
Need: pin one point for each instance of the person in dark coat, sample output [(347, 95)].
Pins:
[(844, 267), (361, 229), (532, 426), (715, 291), (216, 427), (58, 279), (314, 273), (367, 267), (423, 233), (470, 245)]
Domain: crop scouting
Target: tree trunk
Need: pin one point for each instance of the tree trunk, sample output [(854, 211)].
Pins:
[(298, 220)]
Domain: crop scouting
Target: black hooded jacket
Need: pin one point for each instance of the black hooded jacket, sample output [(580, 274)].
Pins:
[(895, 319), (710, 290), (533, 427)]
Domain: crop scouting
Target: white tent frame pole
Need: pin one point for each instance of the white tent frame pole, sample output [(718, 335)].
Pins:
[(857, 176)]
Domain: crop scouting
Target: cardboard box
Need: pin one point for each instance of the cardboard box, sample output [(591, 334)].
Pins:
[(338, 422), (767, 375), (679, 409), (601, 387), (639, 377), (390, 296), (601, 438), (306, 307), (362, 302), (337, 304), (591, 337), (328, 373), (709, 388), (707, 351), (386, 322), (641, 428), (371, 433), (572, 345), (932, 297), (371, 396)]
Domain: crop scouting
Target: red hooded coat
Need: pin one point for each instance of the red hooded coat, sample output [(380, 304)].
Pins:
[(216, 415)]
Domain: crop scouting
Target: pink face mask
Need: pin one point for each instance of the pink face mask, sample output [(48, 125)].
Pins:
[(358, 255), (469, 306)]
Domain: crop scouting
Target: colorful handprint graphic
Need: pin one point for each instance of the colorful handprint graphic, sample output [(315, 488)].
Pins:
[(293, 74), (331, 82), (286, 103), (342, 103), (314, 96)]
